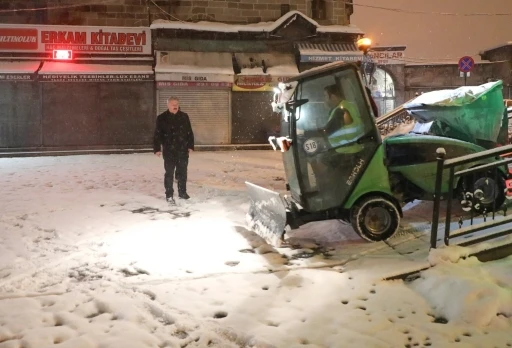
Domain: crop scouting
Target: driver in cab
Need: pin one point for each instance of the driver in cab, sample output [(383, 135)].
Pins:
[(339, 114), (343, 124)]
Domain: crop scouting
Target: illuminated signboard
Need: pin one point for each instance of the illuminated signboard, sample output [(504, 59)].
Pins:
[(62, 54)]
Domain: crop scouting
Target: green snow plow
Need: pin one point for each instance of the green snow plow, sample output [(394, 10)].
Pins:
[(338, 167)]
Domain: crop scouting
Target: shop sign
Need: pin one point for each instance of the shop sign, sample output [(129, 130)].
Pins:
[(321, 58), (95, 77), (256, 83), (194, 78), (387, 57), (170, 84), (21, 77), (108, 40)]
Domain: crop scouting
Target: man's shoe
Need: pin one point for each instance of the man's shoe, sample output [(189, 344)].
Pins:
[(184, 196), (170, 200)]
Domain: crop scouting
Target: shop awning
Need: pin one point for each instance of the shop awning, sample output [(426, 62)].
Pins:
[(273, 64), (325, 53), (80, 72), (263, 71), (194, 67), (19, 70)]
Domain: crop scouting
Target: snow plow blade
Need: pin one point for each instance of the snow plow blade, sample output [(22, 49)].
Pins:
[(267, 215)]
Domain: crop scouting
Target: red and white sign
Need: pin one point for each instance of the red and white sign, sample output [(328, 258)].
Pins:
[(168, 80), (108, 40), (171, 84), (95, 77), (18, 39), (387, 57)]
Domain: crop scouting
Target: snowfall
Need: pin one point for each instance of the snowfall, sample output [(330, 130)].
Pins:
[(92, 256)]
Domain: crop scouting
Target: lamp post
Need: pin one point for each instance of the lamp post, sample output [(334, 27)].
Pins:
[(368, 66)]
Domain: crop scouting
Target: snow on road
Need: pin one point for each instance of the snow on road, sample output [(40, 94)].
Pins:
[(92, 256)]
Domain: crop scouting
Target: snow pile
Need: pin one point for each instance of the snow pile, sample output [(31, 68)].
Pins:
[(470, 292), (452, 97)]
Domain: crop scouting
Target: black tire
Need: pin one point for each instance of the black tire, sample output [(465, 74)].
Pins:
[(375, 218), (493, 193)]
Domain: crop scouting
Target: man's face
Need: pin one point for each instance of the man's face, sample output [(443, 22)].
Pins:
[(173, 106), (330, 100)]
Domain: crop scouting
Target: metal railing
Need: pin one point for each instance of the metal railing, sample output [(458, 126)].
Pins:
[(471, 198)]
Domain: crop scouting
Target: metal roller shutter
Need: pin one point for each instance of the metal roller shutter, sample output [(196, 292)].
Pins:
[(208, 110)]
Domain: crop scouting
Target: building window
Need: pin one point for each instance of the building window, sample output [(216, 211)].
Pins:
[(318, 9)]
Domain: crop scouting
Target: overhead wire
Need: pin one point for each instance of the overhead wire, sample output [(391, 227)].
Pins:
[(459, 14), (95, 2), (166, 13)]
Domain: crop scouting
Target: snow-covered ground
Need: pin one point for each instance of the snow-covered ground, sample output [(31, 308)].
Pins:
[(91, 256)]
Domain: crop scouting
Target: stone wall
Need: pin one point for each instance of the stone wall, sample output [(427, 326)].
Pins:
[(140, 12), (424, 78), (79, 12)]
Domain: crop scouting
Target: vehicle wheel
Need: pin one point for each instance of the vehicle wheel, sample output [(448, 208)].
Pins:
[(375, 218), (485, 192)]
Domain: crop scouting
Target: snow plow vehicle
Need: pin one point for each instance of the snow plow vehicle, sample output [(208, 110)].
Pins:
[(338, 167)]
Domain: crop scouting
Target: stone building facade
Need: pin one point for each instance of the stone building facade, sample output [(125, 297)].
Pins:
[(142, 12)]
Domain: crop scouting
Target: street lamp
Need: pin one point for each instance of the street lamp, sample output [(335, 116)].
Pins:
[(367, 67)]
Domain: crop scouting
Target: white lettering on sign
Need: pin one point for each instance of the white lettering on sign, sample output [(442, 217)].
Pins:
[(18, 39), (46, 38), (193, 78)]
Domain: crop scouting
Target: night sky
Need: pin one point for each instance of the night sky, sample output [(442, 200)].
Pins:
[(432, 36)]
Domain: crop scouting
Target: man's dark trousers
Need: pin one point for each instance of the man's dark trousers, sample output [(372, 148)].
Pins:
[(175, 163)]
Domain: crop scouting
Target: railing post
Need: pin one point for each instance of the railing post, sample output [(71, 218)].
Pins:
[(441, 154)]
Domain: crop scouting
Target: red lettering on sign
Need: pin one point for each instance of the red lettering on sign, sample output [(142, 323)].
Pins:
[(64, 37)]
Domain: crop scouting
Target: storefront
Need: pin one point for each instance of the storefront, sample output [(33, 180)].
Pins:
[(202, 82), (20, 104), (92, 87), (96, 104), (257, 76)]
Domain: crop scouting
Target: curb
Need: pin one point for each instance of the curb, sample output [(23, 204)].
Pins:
[(40, 152), (491, 254)]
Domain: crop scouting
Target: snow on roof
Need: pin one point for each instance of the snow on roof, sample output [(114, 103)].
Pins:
[(389, 47), (283, 70), (264, 27), (73, 68), (280, 70), (318, 52), (194, 62), (350, 29), (496, 47), (19, 67), (278, 64)]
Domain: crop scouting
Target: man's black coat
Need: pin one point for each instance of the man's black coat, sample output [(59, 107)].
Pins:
[(174, 132)]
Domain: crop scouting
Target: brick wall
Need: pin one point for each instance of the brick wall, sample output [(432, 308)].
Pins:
[(137, 12)]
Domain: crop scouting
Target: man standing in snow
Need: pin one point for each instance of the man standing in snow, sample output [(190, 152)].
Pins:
[(175, 140)]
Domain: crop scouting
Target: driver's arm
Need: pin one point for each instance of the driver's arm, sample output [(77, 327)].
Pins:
[(340, 119)]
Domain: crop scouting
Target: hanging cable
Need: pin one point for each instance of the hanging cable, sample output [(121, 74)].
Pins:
[(166, 13), (96, 2), (347, 2)]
